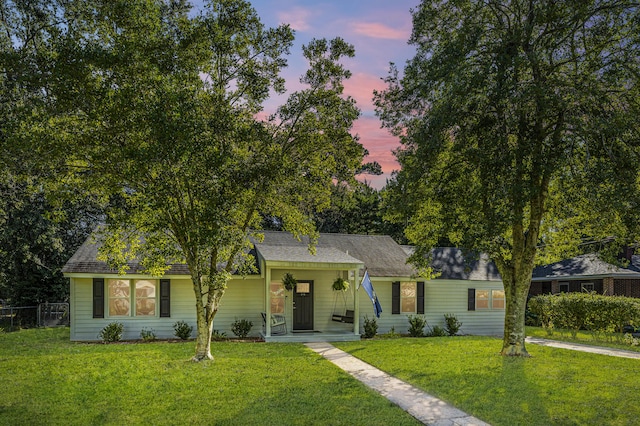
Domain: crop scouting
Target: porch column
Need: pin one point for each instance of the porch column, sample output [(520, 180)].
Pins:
[(356, 302), (267, 298), (607, 286)]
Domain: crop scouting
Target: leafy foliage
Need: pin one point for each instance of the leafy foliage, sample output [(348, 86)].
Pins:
[(161, 122), (370, 327), (182, 330), (585, 311), (241, 328), (519, 131), (452, 324), (417, 323), (112, 332)]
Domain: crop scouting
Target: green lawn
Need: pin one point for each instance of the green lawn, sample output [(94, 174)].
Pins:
[(554, 387), (46, 379)]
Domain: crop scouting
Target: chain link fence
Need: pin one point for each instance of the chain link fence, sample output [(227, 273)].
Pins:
[(43, 315)]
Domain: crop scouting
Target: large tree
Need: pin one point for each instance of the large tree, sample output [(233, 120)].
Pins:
[(156, 110), (520, 132)]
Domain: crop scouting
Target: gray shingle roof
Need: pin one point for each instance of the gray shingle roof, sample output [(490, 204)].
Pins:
[(381, 255), (84, 260), (587, 265), (455, 264)]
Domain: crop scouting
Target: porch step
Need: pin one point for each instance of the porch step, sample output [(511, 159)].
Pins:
[(312, 337)]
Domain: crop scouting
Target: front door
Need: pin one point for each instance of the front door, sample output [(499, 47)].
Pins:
[(303, 306)]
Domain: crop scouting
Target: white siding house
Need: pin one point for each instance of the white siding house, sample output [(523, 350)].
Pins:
[(468, 288)]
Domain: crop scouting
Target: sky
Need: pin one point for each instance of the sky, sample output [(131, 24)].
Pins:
[(379, 31)]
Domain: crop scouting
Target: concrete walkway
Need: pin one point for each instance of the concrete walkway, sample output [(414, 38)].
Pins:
[(583, 348), (424, 407)]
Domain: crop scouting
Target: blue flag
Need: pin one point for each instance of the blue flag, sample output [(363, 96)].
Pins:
[(368, 287)]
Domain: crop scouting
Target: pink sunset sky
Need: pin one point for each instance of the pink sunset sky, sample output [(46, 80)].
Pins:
[(379, 31)]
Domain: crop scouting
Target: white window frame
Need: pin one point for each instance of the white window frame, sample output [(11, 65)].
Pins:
[(583, 286), (132, 298)]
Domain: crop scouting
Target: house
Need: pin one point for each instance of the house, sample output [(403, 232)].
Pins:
[(587, 273), (312, 311)]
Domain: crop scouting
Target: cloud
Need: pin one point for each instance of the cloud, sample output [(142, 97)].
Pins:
[(378, 30), (380, 144), (361, 86), (297, 17)]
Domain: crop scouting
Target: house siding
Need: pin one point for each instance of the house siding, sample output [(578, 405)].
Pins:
[(441, 297), (244, 299)]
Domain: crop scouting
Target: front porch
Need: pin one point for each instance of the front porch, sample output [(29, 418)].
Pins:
[(312, 336)]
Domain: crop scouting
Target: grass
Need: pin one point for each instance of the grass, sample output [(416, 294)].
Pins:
[(46, 379), (555, 386), (610, 340)]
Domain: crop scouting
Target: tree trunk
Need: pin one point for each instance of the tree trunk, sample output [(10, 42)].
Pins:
[(203, 337), (516, 291)]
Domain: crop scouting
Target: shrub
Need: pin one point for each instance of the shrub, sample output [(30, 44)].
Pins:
[(241, 328), (417, 323), (182, 330), (452, 324), (111, 332), (585, 311), (148, 335), (437, 331), (370, 327), (630, 340), (218, 336)]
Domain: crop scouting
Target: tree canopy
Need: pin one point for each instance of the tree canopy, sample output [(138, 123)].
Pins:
[(520, 132), (156, 111)]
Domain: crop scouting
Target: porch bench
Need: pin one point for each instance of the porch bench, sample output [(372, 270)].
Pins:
[(278, 323)]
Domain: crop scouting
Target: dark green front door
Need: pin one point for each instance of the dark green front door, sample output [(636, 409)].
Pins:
[(303, 306)]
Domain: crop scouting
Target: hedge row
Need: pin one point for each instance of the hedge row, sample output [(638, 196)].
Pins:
[(585, 311)]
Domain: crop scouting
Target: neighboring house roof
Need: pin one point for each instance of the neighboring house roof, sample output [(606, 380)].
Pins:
[(452, 263), (380, 254), (585, 266)]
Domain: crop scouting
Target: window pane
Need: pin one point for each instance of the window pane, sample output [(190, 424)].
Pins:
[(497, 299), (277, 298), (302, 288), (482, 299), (119, 288), (408, 297), (119, 292), (145, 297), (119, 307), (145, 288), (407, 289), (277, 290), (145, 307), (408, 305)]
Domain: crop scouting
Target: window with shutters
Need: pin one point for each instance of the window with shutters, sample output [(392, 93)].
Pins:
[(480, 299), (132, 298)]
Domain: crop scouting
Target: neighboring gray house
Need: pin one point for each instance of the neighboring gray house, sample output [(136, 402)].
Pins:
[(471, 291), (587, 273)]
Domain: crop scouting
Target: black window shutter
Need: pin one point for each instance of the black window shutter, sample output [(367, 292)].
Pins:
[(420, 298), (471, 299), (395, 297), (98, 297), (165, 298)]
